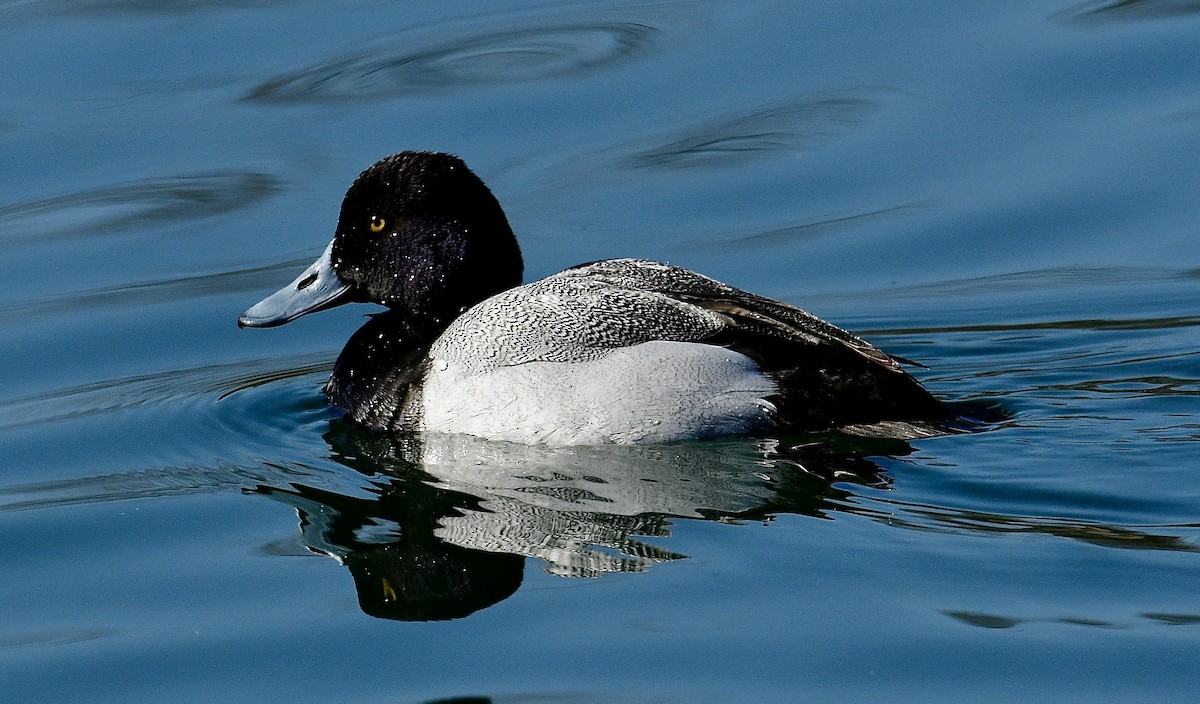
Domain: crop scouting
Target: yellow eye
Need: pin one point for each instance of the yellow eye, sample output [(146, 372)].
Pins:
[(378, 223)]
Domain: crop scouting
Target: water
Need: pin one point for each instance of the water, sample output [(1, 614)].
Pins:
[(1005, 193)]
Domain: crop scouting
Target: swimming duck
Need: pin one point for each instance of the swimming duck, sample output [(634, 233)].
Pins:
[(614, 351)]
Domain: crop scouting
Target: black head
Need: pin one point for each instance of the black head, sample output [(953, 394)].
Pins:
[(418, 232)]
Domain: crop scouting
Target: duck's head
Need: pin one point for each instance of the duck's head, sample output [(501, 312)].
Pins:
[(419, 233)]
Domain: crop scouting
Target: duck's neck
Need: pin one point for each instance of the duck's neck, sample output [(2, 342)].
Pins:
[(381, 367)]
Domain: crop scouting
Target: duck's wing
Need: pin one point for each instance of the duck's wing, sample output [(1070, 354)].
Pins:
[(742, 311), (570, 317), (827, 376), (824, 377)]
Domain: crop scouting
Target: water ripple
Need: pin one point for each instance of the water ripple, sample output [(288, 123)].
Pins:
[(51, 638), (1131, 10), (1150, 323), (787, 127), (1173, 619), (146, 293), (159, 482), (104, 9), (1013, 291), (790, 127), (407, 65), (986, 620), (130, 206), (123, 486), (904, 514), (158, 388), (989, 620), (800, 231)]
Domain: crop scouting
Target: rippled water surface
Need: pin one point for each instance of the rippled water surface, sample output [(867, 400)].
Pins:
[(1005, 192)]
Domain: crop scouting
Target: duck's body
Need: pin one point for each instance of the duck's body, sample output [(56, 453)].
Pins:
[(621, 350)]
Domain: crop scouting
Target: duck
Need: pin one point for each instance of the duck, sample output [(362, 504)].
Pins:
[(612, 351)]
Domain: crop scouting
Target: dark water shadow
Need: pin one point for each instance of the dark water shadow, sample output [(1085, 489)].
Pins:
[(132, 206), (1174, 619), (449, 520), (997, 621), (1129, 10), (450, 56)]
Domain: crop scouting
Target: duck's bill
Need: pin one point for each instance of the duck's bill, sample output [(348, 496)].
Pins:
[(318, 288)]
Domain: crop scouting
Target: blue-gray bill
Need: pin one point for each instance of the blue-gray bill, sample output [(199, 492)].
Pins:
[(318, 288)]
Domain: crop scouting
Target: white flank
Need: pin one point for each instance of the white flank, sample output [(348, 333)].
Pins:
[(651, 392)]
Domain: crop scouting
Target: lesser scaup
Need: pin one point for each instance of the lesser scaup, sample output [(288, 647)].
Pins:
[(621, 350)]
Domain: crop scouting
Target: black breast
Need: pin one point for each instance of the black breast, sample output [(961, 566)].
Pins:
[(377, 377)]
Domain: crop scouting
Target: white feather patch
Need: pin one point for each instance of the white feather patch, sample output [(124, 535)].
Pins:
[(651, 392)]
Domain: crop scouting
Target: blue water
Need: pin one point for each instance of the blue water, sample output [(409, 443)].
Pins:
[(1005, 192)]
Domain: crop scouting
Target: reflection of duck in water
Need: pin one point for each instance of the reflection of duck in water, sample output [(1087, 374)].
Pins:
[(401, 569), (577, 507), (453, 517), (615, 351)]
